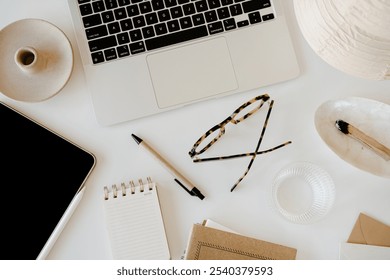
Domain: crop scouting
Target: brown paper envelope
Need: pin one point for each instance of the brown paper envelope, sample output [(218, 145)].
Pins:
[(207, 243), (370, 232)]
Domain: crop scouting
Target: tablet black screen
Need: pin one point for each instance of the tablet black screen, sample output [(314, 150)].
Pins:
[(41, 173)]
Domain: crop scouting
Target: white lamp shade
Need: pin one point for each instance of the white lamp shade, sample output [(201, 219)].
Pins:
[(351, 35)]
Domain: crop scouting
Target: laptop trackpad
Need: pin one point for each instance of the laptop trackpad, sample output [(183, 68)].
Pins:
[(193, 72)]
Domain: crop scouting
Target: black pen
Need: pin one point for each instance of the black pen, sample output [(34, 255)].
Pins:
[(180, 179)]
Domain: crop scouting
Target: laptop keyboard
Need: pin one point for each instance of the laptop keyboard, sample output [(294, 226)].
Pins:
[(121, 28)]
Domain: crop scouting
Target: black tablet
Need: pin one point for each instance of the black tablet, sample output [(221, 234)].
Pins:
[(42, 181)]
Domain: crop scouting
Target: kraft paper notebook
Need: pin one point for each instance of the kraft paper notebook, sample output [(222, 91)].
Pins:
[(134, 221), (206, 243)]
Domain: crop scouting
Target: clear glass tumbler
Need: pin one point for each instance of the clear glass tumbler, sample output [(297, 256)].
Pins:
[(303, 193)]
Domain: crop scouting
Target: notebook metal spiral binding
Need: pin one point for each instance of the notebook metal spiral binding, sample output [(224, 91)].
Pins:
[(132, 188)]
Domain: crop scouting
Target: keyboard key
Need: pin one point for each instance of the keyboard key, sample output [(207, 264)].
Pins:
[(97, 57), (92, 20), (185, 22), (98, 6), (120, 13), (215, 27), (123, 2), (213, 4), (161, 28), (102, 43), (211, 16), (163, 15), (151, 18), (145, 7), (268, 17), (148, 32), (176, 12), (254, 17), (176, 37), (110, 54), (198, 19), (265, 3), (139, 21), (83, 1), (111, 4), (201, 6), (226, 2), (254, 5), (108, 16), (229, 24), (173, 25), (223, 13), (135, 35), (132, 10), (123, 38), (158, 4), (243, 23), (181, 2), (113, 27), (123, 51), (235, 10), (126, 24), (189, 9), (85, 9), (137, 47), (170, 3), (96, 32)]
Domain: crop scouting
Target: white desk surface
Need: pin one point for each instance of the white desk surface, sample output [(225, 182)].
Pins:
[(247, 210)]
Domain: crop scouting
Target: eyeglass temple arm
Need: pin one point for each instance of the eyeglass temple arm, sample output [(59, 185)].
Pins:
[(241, 155), (257, 146)]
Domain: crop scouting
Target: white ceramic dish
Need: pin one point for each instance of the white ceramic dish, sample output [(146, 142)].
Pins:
[(370, 116), (36, 60)]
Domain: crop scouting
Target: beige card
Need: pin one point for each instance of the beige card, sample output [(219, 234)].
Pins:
[(207, 243)]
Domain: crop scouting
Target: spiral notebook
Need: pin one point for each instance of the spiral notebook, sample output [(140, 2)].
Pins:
[(134, 221)]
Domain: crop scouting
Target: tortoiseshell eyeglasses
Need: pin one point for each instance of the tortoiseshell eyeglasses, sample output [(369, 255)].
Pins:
[(240, 114)]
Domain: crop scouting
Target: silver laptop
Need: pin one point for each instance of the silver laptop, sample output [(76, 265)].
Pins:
[(143, 57)]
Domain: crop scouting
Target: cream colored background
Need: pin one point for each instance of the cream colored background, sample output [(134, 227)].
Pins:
[(247, 209)]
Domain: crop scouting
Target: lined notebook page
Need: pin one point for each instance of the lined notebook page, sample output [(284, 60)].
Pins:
[(135, 225)]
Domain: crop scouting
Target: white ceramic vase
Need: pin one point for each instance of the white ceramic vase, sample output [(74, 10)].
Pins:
[(36, 60)]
